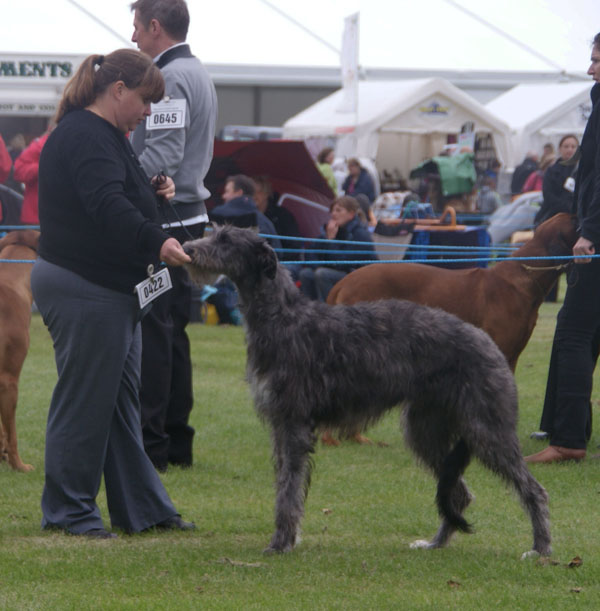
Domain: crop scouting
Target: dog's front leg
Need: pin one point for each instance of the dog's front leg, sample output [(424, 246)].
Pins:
[(291, 447)]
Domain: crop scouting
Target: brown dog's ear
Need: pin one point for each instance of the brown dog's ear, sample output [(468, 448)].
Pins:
[(267, 260)]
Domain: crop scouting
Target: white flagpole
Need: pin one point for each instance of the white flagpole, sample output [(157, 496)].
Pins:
[(349, 64)]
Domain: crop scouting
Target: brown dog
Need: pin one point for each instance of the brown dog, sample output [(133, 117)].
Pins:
[(503, 300), (15, 316)]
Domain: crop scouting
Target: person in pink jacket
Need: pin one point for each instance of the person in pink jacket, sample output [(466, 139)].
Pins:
[(26, 171)]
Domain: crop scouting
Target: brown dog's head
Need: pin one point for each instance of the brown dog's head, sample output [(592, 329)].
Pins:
[(558, 234), (27, 237)]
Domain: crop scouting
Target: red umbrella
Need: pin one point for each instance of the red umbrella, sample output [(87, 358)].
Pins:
[(290, 169)]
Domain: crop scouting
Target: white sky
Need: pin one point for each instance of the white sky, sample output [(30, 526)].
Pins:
[(393, 33)]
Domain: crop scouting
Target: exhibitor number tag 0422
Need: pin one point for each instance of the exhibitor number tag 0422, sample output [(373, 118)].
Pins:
[(152, 287)]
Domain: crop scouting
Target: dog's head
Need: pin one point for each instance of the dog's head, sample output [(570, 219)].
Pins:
[(558, 234), (240, 254)]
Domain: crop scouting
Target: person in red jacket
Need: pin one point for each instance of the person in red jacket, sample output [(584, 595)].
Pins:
[(26, 171), (5, 162)]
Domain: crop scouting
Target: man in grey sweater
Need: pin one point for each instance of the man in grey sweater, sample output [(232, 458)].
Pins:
[(177, 138)]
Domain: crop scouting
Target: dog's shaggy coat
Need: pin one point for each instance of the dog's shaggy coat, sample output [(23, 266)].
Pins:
[(311, 365)]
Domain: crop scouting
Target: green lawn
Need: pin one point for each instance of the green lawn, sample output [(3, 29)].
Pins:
[(365, 506)]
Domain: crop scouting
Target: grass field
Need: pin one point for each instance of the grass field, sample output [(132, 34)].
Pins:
[(365, 506)]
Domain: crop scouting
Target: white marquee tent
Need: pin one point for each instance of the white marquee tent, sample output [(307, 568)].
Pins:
[(398, 123), (540, 113)]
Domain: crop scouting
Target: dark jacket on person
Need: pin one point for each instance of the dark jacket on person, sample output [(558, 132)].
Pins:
[(587, 183), (98, 210), (556, 197), (352, 231), (241, 207), (11, 203), (522, 171), (363, 184), (285, 225)]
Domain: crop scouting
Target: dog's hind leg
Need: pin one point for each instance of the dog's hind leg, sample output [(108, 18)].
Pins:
[(503, 456), (292, 448), (8, 407), (452, 498)]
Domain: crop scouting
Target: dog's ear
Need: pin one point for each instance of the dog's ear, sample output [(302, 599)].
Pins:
[(267, 259)]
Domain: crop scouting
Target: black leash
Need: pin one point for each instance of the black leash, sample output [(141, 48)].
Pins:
[(159, 180)]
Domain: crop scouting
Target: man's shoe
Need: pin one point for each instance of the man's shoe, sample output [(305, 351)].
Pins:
[(98, 533), (175, 523), (556, 454)]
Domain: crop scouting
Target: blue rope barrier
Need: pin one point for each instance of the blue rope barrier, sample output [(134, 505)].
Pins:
[(378, 244), (17, 260), (17, 227), (464, 253), (474, 260)]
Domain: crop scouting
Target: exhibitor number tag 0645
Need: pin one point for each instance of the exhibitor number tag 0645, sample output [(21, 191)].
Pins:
[(152, 287), (166, 114)]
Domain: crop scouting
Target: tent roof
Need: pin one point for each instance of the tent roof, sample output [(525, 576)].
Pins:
[(438, 34), (527, 106), (378, 103)]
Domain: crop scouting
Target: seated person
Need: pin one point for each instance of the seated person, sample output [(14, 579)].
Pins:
[(346, 223), (283, 220), (237, 195), (488, 199)]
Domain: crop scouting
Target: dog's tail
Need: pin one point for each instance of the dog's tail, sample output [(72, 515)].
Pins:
[(453, 467)]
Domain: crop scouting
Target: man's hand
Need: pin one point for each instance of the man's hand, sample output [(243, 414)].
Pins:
[(164, 186), (172, 253), (583, 247)]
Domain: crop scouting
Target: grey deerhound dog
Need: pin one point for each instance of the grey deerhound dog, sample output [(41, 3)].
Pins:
[(311, 365)]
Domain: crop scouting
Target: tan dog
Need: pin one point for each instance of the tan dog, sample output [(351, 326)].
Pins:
[(503, 300), (15, 316)]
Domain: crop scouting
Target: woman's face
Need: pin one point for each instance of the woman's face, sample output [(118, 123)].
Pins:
[(340, 215), (354, 169), (132, 109), (567, 148)]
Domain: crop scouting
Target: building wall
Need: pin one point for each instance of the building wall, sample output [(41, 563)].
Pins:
[(256, 105)]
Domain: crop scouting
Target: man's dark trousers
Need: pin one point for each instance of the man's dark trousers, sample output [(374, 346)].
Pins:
[(166, 394)]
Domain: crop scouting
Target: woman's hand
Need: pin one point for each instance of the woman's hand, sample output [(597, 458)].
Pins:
[(172, 253), (164, 186), (583, 247), (331, 229)]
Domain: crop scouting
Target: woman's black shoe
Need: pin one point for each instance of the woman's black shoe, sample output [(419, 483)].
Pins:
[(98, 533), (175, 523)]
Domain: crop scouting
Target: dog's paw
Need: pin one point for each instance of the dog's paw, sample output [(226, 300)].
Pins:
[(24, 468), (530, 554), (421, 544)]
